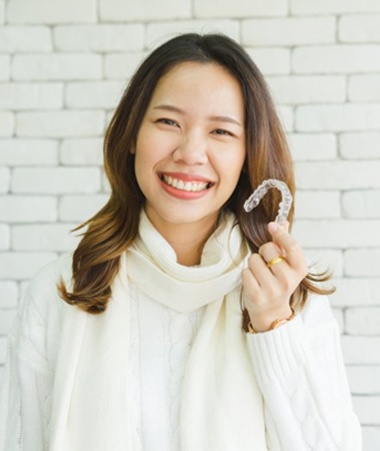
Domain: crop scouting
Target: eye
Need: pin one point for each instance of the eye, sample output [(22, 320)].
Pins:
[(167, 122), (221, 131)]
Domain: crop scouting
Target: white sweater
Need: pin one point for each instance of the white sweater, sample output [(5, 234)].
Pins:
[(298, 367)]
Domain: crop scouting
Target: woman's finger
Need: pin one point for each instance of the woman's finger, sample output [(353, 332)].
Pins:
[(292, 249)]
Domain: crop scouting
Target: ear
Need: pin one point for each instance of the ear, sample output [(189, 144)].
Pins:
[(132, 151)]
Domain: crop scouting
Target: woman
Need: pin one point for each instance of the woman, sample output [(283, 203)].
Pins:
[(178, 331)]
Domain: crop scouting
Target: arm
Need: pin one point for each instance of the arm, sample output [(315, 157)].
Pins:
[(300, 371), (26, 392), (299, 365)]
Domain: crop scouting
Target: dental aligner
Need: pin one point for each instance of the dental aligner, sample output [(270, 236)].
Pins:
[(285, 204)]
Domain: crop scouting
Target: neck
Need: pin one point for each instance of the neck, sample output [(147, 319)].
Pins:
[(187, 240)]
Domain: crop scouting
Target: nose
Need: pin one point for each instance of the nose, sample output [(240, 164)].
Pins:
[(191, 150)]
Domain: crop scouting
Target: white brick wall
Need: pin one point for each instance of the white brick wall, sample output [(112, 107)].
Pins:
[(5, 67), (7, 122), (99, 38), (51, 11), (58, 66), (359, 28), (63, 66), (358, 146)]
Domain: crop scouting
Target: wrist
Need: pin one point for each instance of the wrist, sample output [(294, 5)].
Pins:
[(259, 324)]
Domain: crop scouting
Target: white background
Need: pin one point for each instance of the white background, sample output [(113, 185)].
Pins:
[(63, 66)]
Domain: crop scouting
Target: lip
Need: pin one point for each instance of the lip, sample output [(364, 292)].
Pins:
[(181, 194)]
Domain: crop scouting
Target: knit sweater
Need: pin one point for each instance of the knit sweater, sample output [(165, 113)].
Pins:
[(298, 367)]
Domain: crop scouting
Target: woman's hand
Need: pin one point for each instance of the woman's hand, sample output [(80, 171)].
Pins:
[(267, 289)]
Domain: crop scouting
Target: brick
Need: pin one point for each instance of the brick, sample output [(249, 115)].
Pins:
[(4, 237), (30, 96), (299, 90), (371, 438), (364, 380), (322, 260), (5, 179), (286, 116), (24, 152), (78, 152), (367, 409), (6, 319), (106, 188), (289, 31), (4, 346), (122, 65), (323, 7), (338, 118), (5, 67), (99, 38), (60, 124), (336, 59), (9, 294), (363, 321), (23, 265), (356, 292), (361, 204), (309, 147), (25, 39), (119, 10), (364, 88), (342, 175), (55, 180), (361, 350), (240, 8), (28, 209), (364, 262), (360, 145), (317, 204), (6, 123), (339, 234), (102, 94), (80, 208), (52, 11), (57, 67), (271, 61), (1, 366), (42, 237), (359, 28), (2, 20), (158, 32)]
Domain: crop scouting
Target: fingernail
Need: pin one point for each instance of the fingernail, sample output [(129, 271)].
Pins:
[(274, 227)]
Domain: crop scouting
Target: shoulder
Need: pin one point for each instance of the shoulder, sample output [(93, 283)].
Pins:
[(41, 301), (48, 276)]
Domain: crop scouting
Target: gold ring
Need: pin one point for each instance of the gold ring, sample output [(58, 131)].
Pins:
[(274, 261)]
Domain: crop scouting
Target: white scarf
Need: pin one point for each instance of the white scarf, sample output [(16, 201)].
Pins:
[(221, 405)]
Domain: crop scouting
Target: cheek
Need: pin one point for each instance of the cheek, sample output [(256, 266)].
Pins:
[(234, 165)]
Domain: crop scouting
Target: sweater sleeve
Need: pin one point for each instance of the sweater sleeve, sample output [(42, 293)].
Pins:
[(300, 370), (25, 398)]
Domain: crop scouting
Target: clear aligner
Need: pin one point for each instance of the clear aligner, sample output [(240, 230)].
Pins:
[(285, 204)]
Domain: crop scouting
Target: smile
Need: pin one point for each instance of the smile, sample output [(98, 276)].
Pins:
[(185, 186)]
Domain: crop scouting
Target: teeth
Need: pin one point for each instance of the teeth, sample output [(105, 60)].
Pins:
[(185, 186)]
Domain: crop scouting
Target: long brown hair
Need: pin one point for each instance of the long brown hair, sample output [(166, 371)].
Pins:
[(113, 229)]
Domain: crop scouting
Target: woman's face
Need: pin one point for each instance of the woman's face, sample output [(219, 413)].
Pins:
[(190, 148)]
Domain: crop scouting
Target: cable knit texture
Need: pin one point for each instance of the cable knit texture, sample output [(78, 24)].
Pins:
[(167, 366)]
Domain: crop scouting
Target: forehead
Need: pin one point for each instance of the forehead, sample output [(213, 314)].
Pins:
[(195, 82)]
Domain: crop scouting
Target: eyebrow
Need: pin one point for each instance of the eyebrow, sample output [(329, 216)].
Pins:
[(175, 109)]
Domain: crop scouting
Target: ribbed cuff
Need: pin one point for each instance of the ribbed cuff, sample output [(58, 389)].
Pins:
[(278, 352)]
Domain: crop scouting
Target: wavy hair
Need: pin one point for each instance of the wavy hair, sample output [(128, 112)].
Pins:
[(113, 229)]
